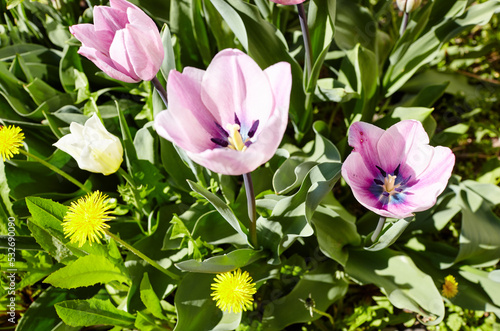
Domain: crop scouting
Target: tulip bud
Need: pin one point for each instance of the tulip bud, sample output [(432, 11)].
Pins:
[(408, 5), (123, 42), (93, 147)]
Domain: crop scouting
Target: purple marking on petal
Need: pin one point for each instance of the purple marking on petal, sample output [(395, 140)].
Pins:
[(237, 120), (253, 129), (396, 172), (221, 130), (378, 181), (219, 142), (382, 171)]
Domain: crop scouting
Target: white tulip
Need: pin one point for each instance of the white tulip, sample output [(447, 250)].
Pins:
[(93, 147), (408, 5)]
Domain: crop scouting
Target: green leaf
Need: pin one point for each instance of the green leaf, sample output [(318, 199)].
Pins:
[(221, 207), (195, 308), (223, 263), (88, 270), (93, 312), (390, 233), (225, 234), (334, 233), (150, 299), (406, 286), (321, 285), (42, 315)]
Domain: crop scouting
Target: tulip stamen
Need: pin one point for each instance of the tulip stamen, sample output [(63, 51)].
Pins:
[(390, 187), (235, 140)]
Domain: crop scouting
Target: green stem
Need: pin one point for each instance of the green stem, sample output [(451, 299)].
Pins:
[(404, 23), (137, 198), (379, 228), (142, 256), (307, 38), (161, 90), (56, 170), (317, 311), (252, 212)]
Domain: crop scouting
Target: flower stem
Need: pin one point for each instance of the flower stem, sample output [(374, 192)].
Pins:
[(404, 23), (142, 256), (137, 198), (306, 36), (161, 90), (379, 228), (252, 213), (56, 170), (317, 311)]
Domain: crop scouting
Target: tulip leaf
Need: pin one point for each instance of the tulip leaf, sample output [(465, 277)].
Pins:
[(195, 308), (406, 286), (321, 285), (390, 234), (495, 276), (225, 234), (222, 263), (93, 312), (335, 233), (408, 58), (479, 240), (221, 207)]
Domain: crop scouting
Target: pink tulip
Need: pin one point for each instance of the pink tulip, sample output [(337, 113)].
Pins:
[(123, 42), (288, 2), (230, 118), (395, 173)]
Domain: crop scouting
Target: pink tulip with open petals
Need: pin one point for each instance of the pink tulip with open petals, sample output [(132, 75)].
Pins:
[(395, 173), (230, 118), (123, 42)]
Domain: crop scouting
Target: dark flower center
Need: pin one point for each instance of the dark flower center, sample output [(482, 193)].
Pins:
[(390, 187), (232, 137)]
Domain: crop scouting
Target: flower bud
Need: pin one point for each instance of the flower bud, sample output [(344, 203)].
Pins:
[(408, 5), (93, 147)]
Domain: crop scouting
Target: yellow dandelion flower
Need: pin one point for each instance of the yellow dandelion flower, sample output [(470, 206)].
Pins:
[(11, 138), (86, 219), (450, 287), (233, 291)]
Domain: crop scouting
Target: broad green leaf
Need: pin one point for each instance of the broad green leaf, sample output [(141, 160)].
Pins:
[(223, 263), (322, 285), (406, 286), (195, 308), (221, 207), (334, 233), (42, 315), (93, 312), (150, 299), (390, 234), (225, 234), (88, 270)]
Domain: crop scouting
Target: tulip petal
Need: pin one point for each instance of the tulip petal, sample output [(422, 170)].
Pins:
[(121, 5), (144, 64), (109, 19), (398, 141), (118, 52), (235, 84), (100, 40), (364, 137), (105, 64), (187, 122)]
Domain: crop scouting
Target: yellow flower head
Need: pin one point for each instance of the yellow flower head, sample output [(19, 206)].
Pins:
[(86, 218), (11, 138), (450, 287), (233, 291)]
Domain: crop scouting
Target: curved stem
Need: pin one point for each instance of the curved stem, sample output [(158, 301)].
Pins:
[(161, 91), (142, 256), (404, 23), (379, 228), (137, 198), (56, 170), (317, 311), (306, 36), (252, 212)]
